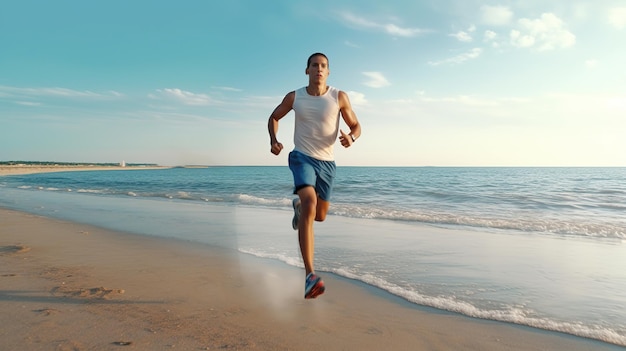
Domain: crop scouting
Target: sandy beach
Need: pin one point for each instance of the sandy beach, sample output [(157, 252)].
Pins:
[(69, 286)]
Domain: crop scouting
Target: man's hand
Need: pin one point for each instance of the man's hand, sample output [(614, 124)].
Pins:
[(277, 148), (345, 139)]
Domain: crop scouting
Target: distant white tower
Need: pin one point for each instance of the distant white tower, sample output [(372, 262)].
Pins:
[(123, 164)]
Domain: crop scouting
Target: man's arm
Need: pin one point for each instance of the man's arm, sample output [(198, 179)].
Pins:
[(351, 120), (272, 124)]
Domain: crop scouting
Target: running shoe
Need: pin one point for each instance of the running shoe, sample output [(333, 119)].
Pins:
[(296, 213), (313, 286)]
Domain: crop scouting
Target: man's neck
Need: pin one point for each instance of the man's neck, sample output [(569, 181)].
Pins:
[(317, 90)]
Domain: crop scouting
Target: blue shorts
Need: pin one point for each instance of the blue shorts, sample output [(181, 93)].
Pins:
[(308, 171)]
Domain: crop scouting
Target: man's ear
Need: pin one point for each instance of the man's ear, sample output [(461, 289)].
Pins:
[(306, 71)]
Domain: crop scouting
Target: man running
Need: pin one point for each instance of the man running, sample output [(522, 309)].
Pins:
[(317, 109)]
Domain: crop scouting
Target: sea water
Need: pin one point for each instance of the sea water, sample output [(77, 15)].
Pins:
[(541, 247)]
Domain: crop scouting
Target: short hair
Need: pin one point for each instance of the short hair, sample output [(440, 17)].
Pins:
[(308, 62)]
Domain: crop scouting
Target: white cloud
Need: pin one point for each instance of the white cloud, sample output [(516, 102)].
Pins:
[(237, 90), (62, 92), (356, 98), (399, 31), (186, 97), (38, 96), (545, 33), (520, 40), (496, 15), (617, 17), (376, 80), (389, 28), (28, 103), (465, 35), (462, 36), (489, 35), (472, 54), (54, 92)]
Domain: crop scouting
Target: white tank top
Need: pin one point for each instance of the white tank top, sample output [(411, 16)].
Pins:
[(317, 123)]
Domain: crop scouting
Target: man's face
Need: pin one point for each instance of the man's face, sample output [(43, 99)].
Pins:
[(318, 69)]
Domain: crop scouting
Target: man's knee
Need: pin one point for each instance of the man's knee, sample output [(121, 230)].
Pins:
[(321, 210)]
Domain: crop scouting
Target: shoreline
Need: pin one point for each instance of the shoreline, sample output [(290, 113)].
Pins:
[(69, 285)]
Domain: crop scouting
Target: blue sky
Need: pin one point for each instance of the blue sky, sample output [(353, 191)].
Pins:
[(434, 83)]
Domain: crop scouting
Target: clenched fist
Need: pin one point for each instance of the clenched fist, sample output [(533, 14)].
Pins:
[(277, 148)]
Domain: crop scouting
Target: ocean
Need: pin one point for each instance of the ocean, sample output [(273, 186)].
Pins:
[(539, 247)]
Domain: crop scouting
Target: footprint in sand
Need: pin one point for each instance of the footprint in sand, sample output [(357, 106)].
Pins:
[(94, 293), (122, 343), (12, 249), (47, 311)]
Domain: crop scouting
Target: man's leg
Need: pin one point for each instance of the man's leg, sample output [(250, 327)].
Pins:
[(308, 205), (311, 208)]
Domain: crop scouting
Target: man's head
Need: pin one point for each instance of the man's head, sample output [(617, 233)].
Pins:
[(317, 68), (308, 62)]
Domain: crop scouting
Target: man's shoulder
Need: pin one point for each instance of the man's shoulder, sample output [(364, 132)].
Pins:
[(297, 91), (336, 90), (337, 93)]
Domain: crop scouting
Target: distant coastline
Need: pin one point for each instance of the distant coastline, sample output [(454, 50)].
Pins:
[(31, 167), (74, 164)]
